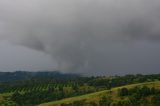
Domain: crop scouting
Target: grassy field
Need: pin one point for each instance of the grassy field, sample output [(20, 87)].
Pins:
[(96, 96), (4, 97)]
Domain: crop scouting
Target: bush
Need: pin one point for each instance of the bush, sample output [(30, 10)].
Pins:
[(123, 92), (105, 101)]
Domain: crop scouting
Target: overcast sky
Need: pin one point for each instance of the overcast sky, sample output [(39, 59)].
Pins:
[(94, 37), (16, 58)]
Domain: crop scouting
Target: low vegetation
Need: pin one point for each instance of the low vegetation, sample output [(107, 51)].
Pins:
[(142, 94), (79, 91)]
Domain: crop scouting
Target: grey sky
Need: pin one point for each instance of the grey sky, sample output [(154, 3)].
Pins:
[(15, 58), (85, 36)]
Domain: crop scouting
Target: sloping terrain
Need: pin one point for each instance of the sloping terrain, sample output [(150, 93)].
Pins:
[(94, 97), (75, 90)]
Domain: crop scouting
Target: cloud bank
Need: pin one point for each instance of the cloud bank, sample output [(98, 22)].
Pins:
[(88, 36)]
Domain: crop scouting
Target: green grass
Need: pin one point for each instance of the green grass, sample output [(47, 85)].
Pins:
[(3, 97), (95, 96)]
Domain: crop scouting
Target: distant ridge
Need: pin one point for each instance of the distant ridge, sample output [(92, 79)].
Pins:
[(24, 75)]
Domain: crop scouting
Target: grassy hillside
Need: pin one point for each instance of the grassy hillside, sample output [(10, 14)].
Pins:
[(5, 100), (96, 96), (43, 90)]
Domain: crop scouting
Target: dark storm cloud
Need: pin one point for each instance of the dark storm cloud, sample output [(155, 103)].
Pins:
[(85, 35)]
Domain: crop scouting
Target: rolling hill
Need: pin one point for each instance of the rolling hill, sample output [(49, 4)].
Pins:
[(26, 75), (95, 97), (80, 91)]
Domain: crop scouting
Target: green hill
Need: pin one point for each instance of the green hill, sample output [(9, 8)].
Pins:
[(95, 97), (78, 91)]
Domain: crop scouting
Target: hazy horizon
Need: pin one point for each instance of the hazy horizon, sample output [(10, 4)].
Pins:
[(104, 37)]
